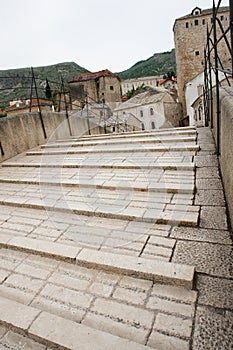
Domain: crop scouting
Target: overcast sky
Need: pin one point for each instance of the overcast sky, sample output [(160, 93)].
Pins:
[(96, 34)]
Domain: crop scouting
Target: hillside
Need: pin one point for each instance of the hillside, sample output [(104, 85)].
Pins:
[(158, 64), (16, 83)]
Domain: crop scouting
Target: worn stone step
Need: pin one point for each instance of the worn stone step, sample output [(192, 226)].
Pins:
[(155, 270), (143, 149), (112, 141), (57, 331), (160, 187), (164, 166)]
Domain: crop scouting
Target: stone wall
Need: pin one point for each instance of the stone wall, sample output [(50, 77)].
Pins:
[(24, 131), (226, 144)]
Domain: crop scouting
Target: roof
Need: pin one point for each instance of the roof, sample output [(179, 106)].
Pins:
[(162, 81), (92, 76), (203, 13)]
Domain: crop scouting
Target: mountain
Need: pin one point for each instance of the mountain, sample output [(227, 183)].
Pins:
[(158, 64), (16, 83)]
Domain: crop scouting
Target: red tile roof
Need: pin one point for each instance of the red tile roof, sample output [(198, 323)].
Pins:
[(92, 76)]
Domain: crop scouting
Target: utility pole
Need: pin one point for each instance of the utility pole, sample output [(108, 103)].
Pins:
[(38, 103), (231, 26)]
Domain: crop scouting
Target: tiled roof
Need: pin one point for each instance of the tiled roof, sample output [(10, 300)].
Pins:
[(92, 76)]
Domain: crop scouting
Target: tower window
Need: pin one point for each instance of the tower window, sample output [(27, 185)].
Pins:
[(111, 87), (197, 53)]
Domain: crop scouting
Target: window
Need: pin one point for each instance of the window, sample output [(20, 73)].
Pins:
[(222, 18), (152, 125), (101, 113), (196, 22), (187, 24), (143, 126), (197, 53), (111, 87), (151, 111), (141, 113), (203, 21)]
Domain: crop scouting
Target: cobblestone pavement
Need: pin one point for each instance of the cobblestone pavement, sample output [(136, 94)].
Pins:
[(97, 279)]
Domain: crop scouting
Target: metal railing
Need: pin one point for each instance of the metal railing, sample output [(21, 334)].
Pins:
[(217, 35)]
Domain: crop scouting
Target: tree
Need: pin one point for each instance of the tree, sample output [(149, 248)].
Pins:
[(48, 91)]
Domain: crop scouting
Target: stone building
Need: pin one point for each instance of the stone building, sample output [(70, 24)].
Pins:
[(129, 84), (155, 108), (98, 87), (190, 35)]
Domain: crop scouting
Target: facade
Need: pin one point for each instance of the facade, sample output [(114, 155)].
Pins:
[(98, 87), (155, 109), (190, 35), (129, 84), (169, 84)]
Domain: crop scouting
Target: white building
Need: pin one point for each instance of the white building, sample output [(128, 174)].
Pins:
[(129, 84)]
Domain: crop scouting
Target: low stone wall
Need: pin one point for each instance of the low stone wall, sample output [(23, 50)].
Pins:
[(21, 132), (226, 144)]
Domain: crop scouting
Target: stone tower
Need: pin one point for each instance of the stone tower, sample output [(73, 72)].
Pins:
[(190, 35)]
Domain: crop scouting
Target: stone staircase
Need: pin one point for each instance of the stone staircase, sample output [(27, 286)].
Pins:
[(86, 253)]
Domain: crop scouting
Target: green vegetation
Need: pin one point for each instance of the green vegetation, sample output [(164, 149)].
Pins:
[(16, 83), (158, 64), (136, 91)]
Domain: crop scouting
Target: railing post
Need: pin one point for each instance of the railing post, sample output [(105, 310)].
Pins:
[(231, 26)]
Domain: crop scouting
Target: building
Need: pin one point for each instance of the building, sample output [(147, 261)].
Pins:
[(169, 84), (19, 107), (130, 84), (98, 87), (190, 35), (155, 108)]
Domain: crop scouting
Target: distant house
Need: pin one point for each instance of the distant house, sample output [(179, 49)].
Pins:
[(98, 87), (19, 107), (169, 84), (129, 84), (155, 108)]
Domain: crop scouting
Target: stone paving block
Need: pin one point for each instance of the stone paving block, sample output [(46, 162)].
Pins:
[(210, 197), (139, 267), (215, 292), (14, 341), (201, 235), (3, 275), (170, 307), (162, 341), (152, 249), (213, 218), (206, 161), (211, 173), (209, 184), (101, 289), (16, 314), (73, 336), (213, 330), (161, 241), (3, 330), (173, 325), (9, 261), (208, 258), (175, 293)]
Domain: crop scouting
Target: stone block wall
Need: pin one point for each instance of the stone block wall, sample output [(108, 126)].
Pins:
[(226, 143), (22, 132)]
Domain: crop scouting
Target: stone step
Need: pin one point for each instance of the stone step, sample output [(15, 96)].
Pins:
[(56, 331), (155, 270), (143, 149), (163, 166), (160, 133), (77, 143), (175, 185)]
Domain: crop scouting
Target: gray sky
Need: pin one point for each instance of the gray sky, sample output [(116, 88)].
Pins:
[(96, 34)]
